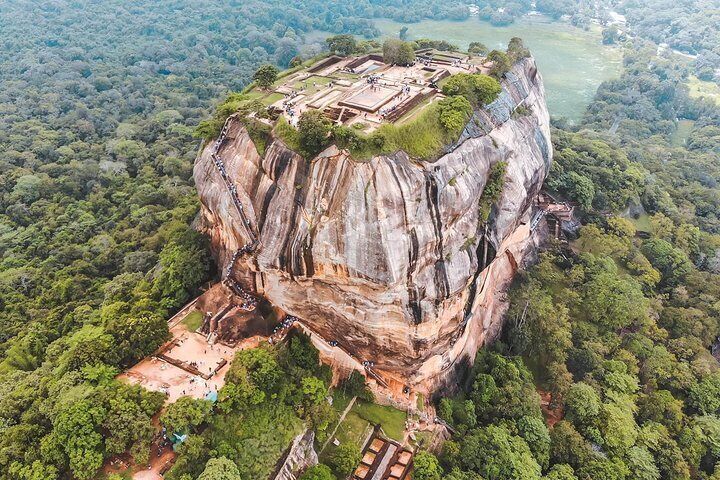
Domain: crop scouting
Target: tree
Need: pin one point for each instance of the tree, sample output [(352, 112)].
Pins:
[(398, 52), (611, 301), (314, 391), (257, 365), (582, 404), (75, 431), (660, 406), (356, 386), (220, 469), (185, 415), (345, 459), (705, 395), (35, 471), (535, 433), (641, 464), (426, 467), (567, 445), (318, 472), (454, 113), (343, 45), (561, 471), (184, 265), (403, 33), (610, 35), (618, 427), (494, 452), (672, 263), (604, 468), (516, 49), (265, 75), (477, 48), (479, 89), (580, 188), (137, 336), (313, 131), (501, 63), (303, 353)]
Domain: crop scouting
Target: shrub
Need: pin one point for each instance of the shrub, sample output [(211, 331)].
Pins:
[(454, 113), (478, 48), (493, 189), (516, 49)]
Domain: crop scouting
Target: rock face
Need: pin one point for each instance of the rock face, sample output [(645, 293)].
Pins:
[(386, 256)]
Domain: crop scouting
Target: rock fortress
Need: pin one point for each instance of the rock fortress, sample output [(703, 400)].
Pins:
[(387, 261)]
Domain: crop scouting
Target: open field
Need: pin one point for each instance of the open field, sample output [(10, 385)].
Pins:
[(682, 132), (573, 61), (699, 88)]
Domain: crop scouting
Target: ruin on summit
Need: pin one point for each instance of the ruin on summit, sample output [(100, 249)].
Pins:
[(364, 91)]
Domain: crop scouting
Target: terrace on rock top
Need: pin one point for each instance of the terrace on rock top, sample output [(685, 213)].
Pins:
[(364, 91)]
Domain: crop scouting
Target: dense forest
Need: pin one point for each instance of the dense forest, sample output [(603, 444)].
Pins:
[(100, 101), (615, 327)]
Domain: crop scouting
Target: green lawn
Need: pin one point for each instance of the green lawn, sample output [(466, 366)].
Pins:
[(346, 76), (272, 98), (642, 223), (310, 89), (390, 419), (700, 88), (353, 429), (193, 320), (682, 132), (256, 94)]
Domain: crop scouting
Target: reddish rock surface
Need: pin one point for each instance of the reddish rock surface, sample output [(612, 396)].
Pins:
[(385, 256)]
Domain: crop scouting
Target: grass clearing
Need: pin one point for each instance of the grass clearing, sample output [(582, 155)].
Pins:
[(423, 138), (700, 88), (346, 76), (390, 419), (682, 132), (642, 223), (353, 429), (312, 84), (193, 320), (272, 98)]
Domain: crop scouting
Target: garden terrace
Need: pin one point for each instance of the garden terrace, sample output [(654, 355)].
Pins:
[(364, 91)]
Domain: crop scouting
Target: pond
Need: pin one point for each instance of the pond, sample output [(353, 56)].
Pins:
[(572, 61)]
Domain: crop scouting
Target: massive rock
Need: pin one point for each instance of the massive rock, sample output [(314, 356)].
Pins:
[(386, 256)]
